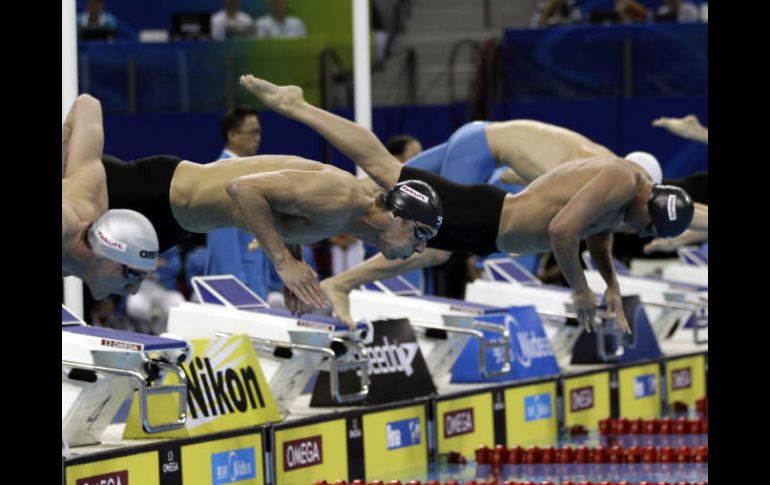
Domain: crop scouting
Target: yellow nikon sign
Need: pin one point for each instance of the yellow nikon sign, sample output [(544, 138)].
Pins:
[(225, 390)]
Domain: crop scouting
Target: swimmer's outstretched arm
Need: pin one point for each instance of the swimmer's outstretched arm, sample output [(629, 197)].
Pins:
[(355, 141), (84, 183), (294, 193), (607, 192), (672, 244), (337, 288), (688, 127)]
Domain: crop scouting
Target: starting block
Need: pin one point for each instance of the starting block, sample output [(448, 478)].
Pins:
[(290, 349), (676, 311), (510, 284), (443, 325), (101, 367)]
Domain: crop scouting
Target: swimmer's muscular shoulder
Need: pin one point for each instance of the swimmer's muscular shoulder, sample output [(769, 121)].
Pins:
[(325, 190)]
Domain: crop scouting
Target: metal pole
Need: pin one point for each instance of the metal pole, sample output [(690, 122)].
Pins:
[(73, 287), (362, 78), (362, 73)]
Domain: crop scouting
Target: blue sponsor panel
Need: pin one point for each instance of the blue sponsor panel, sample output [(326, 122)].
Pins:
[(537, 407), (401, 434), (531, 350), (645, 385), (641, 344), (233, 466)]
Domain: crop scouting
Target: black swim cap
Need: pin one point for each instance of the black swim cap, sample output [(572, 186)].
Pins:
[(671, 210), (417, 201)]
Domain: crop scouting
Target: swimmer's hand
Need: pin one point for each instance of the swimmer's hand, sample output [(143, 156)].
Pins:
[(302, 281), (340, 301), (283, 99), (253, 245), (294, 304)]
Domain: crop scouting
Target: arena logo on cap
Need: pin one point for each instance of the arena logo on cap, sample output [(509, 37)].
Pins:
[(114, 478), (681, 378), (671, 206), (111, 242), (417, 195), (581, 399), (458, 422), (144, 254), (302, 453)]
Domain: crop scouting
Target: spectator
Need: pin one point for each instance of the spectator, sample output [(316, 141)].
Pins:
[(555, 12), (677, 11), (95, 23), (278, 24), (231, 23), (631, 11)]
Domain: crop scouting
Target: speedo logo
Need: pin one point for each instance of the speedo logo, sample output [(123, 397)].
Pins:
[(681, 378), (302, 453), (458, 422), (582, 398), (114, 478), (110, 242), (391, 358), (222, 392), (671, 206), (417, 195)]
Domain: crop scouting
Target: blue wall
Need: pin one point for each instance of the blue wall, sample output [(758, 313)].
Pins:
[(621, 125)]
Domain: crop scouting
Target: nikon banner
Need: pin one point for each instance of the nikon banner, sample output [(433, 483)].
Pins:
[(397, 369), (225, 390)]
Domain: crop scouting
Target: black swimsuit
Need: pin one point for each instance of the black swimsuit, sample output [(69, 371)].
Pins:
[(143, 185), (471, 213)]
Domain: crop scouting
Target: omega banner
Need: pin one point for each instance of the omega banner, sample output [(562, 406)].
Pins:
[(397, 369)]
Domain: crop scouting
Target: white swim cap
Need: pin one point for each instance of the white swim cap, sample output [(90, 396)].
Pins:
[(649, 163), (126, 237)]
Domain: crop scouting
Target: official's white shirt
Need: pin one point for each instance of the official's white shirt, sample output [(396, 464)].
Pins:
[(224, 27), (267, 26)]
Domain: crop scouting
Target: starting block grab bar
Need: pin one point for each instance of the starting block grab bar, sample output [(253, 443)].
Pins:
[(700, 313), (602, 331), (284, 350), (503, 342), (145, 391)]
